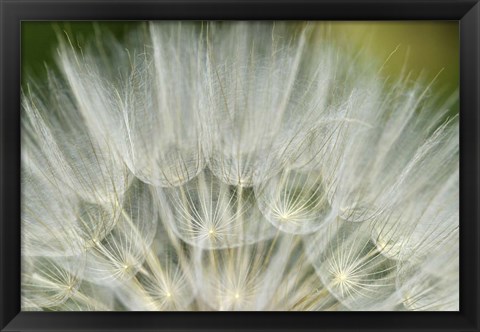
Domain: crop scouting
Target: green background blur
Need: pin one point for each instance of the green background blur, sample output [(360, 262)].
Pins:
[(427, 47)]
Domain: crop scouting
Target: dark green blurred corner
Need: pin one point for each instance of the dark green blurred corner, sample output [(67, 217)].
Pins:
[(39, 42)]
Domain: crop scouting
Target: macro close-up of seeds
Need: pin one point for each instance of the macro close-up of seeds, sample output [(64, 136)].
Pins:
[(236, 166)]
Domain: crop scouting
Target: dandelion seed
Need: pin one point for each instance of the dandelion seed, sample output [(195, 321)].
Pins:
[(242, 278), (45, 283), (208, 213), (424, 288), (295, 202), (351, 267)]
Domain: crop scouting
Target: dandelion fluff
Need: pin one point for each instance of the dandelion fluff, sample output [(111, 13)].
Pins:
[(208, 213), (162, 111), (351, 267), (48, 219), (165, 281), (375, 161), (163, 287), (45, 283), (303, 292), (300, 288), (88, 297), (60, 141), (251, 75), (295, 202), (432, 283), (417, 226), (121, 253), (149, 115), (242, 278), (236, 166), (57, 222)]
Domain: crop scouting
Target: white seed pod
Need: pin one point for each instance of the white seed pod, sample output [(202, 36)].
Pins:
[(148, 114), (88, 297), (210, 214), (351, 268), (158, 289), (161, 111), (431, 284), (56, 223), (427, 205), (45, 283), (165, 281), (48, 218), (300, 288), (252, 69), (401, 145), (244, 278), (295, 201), (58, 139), (119, 255)]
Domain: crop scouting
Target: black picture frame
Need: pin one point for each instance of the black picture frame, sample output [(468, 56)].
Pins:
[(15, 11)]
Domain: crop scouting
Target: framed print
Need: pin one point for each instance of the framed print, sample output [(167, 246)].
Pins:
[(239, 165)]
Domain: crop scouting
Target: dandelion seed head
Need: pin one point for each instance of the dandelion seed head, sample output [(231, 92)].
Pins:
[(236, 166)]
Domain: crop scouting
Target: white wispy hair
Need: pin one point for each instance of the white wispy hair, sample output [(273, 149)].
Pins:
[(236, 166)]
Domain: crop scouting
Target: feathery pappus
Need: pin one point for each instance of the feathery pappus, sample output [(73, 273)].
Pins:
[(260, 166)]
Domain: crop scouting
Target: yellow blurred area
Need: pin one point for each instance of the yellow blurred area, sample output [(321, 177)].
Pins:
[(429, 48)]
